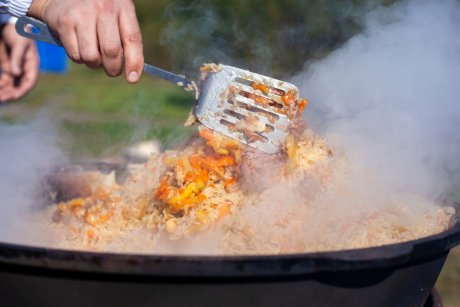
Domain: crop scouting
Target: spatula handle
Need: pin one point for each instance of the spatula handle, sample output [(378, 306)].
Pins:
[(37, 30)]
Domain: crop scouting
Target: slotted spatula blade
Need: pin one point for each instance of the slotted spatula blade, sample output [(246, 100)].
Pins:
[(252, 108)]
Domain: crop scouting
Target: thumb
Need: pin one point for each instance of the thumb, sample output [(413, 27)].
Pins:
[(17, 58)]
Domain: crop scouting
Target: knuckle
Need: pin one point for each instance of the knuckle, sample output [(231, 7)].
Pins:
[(89, 56), (134, 37), (103, 5), (111, 50), (65, 21)]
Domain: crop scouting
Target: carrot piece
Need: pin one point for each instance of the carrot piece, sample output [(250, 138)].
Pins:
[(226, 161), (105, 217), (196, 161), (302, 104), (90, 234), (163, 190), (263, 88), (288, 98), (229, 182), (206, 134)]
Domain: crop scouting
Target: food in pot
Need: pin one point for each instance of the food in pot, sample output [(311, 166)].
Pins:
[(217, 196)]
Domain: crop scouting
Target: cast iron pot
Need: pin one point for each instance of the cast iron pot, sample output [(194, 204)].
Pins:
[(392, 275)]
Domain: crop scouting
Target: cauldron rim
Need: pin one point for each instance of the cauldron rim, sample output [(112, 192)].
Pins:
[(240, 266)]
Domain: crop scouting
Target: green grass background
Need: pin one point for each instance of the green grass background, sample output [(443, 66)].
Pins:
[(97, 116)]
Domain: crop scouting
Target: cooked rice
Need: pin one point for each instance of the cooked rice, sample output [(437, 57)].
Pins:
[(280, 204)]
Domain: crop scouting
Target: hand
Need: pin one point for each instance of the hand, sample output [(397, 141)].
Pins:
[(96, 32), (6, 78), (18, 64)]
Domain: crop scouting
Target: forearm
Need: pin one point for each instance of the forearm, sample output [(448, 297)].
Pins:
[(15, 7)]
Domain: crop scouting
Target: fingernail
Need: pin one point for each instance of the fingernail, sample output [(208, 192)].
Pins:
[(133, 76)]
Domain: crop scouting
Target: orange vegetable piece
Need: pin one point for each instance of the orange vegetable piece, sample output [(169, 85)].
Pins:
[(288, 98), (93, 219), (226, 161), (263, 88), (261, 100), (206, 134), (90, 234), (163, 190), (302, 104), (229, 182), (105, 217)]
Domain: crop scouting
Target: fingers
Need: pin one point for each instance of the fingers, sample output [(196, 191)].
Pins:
[(17, 56), (6, 84), (6, 79), (98, 33), (7, 87), (88, 44), (13, 87), (4, 74), (18, 65), (68, 36), (132, 44), (110, 45), (29, 78)]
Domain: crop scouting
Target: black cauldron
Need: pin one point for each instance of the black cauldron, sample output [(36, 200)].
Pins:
[(392, 275)]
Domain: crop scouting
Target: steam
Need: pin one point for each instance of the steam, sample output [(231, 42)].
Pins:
[(28, 152), (194, 42), (389, 100), (391, 95)]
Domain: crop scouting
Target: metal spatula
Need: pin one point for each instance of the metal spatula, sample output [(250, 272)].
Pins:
[(254, 109)]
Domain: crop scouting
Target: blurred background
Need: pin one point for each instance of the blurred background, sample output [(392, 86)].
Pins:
[(97, 117)]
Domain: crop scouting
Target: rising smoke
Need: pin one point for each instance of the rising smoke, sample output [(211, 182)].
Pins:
[(392, 95), (28, 152)]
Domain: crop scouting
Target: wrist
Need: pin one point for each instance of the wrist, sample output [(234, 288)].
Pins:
[(37, 9)]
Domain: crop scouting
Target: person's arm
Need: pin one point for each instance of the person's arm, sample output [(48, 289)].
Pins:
[(15, 7)]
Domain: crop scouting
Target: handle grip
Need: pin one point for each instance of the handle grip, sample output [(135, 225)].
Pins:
[(36, 30)]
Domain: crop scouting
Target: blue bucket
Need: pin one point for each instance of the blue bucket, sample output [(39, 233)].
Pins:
[(53, 59)]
